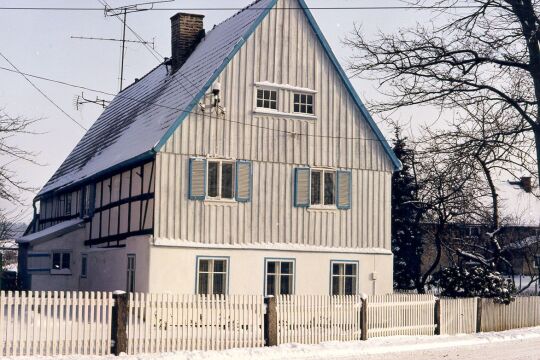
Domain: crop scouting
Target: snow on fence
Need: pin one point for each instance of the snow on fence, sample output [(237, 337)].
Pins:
[(55, 323), (311, 319), (458, 316), (170, 322), (522, 312), (400, 314)]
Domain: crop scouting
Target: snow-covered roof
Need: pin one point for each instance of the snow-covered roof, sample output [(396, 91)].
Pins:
[(143, 115), (53, 231), (141, 118), (517, 206)]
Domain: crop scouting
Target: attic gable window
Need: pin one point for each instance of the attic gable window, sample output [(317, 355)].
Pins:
[(303, 104), (267, 99)]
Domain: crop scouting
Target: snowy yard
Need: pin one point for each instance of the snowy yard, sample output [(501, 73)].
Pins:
[(523, 344)]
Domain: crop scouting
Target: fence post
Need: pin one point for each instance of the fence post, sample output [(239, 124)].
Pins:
[(478, 314), (119, 323), (363, 320), (437, 316), (271, 321)]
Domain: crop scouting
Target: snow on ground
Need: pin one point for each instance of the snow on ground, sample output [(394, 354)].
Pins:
[(522, 344)]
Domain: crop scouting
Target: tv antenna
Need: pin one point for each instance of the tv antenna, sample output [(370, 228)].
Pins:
[(121, 13), (80, 100)]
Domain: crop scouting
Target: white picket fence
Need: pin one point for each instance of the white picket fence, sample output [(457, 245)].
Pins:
[(55, 323), (170, 322), (522, 312), (400, 314), (458, 316), (311, 319)]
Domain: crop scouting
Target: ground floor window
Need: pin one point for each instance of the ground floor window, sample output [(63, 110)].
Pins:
[(344, 277), (212, 276), (279, 277), (130, 273), (61, 260)]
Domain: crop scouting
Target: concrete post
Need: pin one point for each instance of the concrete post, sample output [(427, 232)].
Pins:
[(478, 314), (272, 321), (363, 320), (437, 316), (119, 323)]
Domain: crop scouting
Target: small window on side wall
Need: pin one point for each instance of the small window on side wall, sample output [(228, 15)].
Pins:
[(303, 104), (84, 265), (267, 99), (344, 277), (61, 262)]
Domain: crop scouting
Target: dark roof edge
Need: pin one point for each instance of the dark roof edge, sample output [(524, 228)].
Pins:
[(101, 174), (395, 161), (213, 78)]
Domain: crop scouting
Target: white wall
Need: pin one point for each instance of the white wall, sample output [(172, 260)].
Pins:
[(283, 50), (173, 269)]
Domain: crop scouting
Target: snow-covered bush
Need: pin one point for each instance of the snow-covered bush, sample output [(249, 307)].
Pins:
[(474, 281)]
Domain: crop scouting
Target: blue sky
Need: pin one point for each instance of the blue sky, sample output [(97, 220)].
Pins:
[(38, 42)]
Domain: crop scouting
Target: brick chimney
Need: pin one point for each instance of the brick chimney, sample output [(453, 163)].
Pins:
[(526, 183), (187, 30)]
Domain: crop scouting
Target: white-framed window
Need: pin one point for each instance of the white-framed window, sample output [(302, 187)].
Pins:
[(219, 179), (84, 265), (61, 262), (131, 266), (536, 262), (303, 103), (220, 183), (212, 275), (344, 277), (323, 187), (267, 99), (279, 277)]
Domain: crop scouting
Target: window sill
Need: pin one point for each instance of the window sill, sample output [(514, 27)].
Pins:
[(220, 202), (61, 272), (323, 208), (271, 112)]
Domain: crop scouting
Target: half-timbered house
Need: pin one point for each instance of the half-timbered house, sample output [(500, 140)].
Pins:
[(244, 164)]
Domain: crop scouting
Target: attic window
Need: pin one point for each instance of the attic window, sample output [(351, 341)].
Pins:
[(303, 103), (267, 99)]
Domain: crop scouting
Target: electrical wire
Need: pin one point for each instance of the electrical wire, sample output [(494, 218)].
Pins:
[(41, 92), (176, 109), (403, 7)]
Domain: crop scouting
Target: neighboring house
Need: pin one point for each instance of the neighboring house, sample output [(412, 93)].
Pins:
[(246, 164), (519, 207)]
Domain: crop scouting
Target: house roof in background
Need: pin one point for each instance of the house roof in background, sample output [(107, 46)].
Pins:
[(140, 119), (518, 207)]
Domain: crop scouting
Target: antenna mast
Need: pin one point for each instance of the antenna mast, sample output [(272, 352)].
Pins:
[(123, 11)]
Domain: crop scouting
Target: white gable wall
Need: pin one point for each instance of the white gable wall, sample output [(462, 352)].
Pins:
[(283, 50)]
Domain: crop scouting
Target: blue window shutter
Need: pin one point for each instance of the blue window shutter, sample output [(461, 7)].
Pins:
[(244, 180), (302, 187), (344, 190), (197, 179)]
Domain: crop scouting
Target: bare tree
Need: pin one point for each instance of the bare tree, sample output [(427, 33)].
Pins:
[(487, 53), (447, 194), (10, 186)]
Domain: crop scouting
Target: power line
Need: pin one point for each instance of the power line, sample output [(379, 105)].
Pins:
[(402, 7), (123, 96), (42, 93)]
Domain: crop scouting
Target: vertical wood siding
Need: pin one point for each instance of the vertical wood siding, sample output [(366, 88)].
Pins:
[(283, 50)]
